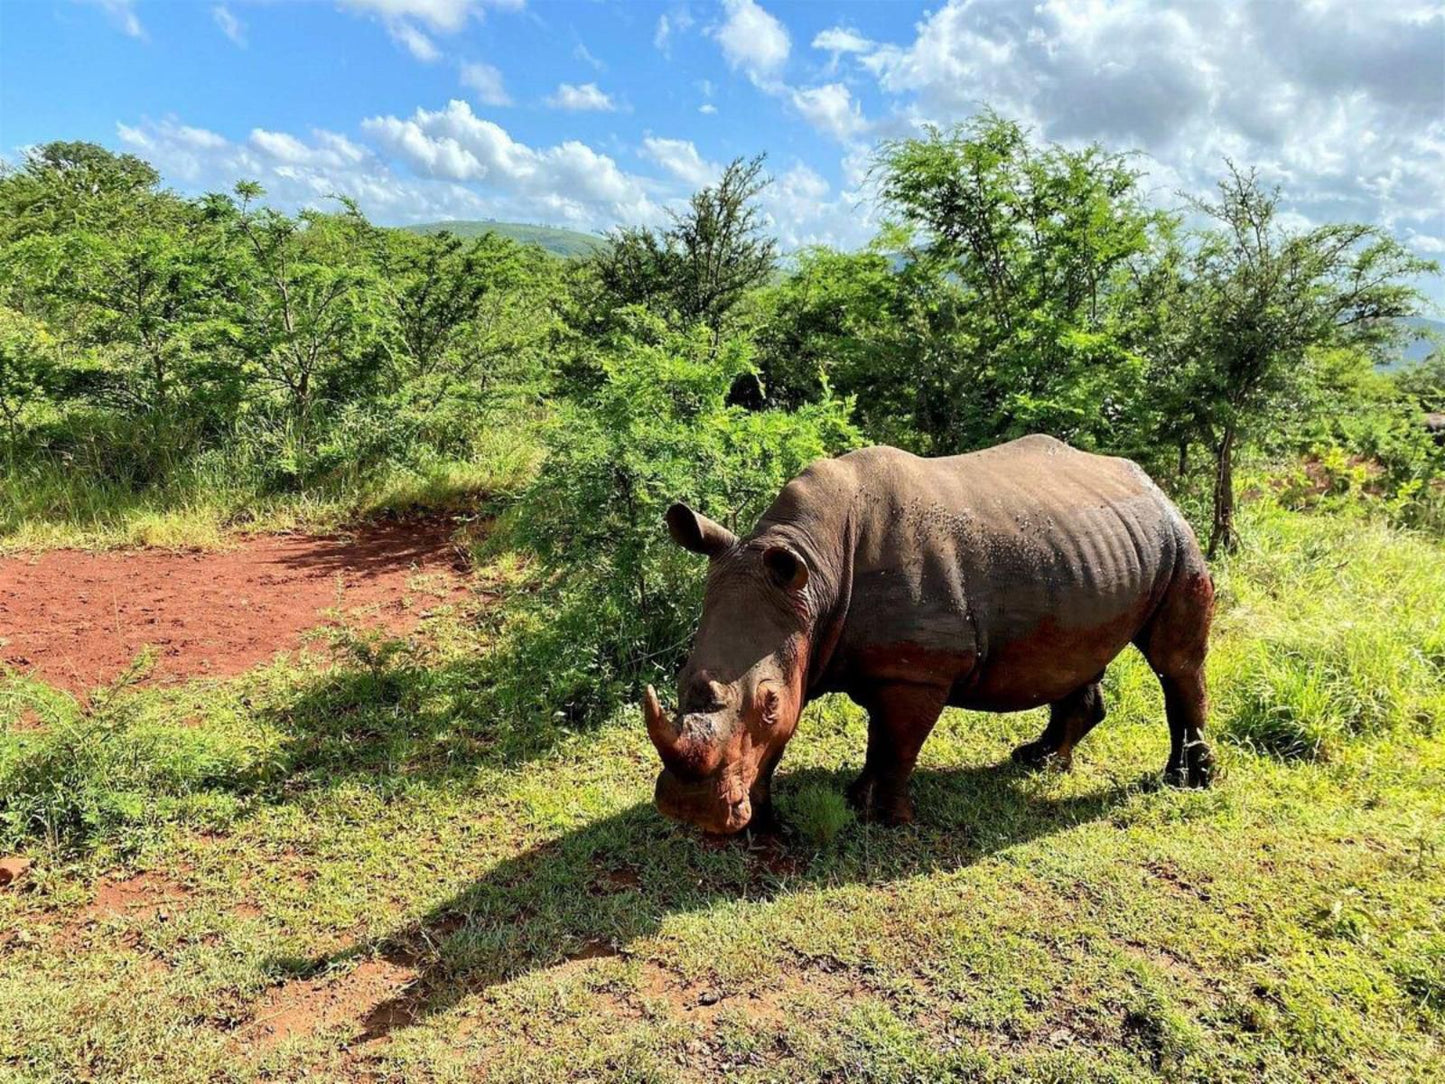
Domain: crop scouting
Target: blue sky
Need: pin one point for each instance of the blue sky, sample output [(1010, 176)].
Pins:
[(588, 114)]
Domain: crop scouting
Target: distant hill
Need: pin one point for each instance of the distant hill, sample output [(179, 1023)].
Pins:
[(1422, 345), (569, 244)]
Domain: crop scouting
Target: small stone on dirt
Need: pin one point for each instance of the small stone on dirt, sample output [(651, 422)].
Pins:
[(708, 997), (12, 869)]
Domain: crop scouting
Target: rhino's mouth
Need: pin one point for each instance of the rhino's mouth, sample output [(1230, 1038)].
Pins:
[(719, 805)]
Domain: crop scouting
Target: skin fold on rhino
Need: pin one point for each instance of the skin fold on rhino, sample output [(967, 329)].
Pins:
[(1001, 580)]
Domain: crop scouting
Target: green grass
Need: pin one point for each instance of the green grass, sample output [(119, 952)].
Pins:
[(451, 893), (45, 505)]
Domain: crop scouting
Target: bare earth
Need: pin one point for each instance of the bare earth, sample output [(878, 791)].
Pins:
[(77, 620)]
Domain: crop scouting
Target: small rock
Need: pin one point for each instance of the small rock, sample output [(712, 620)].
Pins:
[(708, 997), (12, 869)]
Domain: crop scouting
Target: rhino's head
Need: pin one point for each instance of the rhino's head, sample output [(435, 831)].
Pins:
[(741, 692)]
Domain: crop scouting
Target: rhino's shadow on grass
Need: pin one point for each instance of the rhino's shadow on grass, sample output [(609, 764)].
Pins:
[(598, 889), (422, 722)]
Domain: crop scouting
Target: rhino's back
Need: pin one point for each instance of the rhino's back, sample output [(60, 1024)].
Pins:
[(1024, 568)]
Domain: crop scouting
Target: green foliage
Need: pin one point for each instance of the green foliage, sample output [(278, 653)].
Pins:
[(113, 772), (1255, 300), (699, 268), (1029, 322), (28, 370), (622, 599)]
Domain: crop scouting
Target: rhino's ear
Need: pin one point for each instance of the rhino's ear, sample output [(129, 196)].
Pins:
[(694, 531), (788, 570)]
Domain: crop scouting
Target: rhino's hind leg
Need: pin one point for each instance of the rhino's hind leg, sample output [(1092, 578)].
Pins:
[(900, 718), (1175, 644), (1191, 763), (1069, 720)]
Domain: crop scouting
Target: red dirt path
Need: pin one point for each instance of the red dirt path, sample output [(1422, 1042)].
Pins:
[(78, 619)]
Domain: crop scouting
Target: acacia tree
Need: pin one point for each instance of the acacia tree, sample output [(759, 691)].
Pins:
[(1256, 300), (314, 313), (703, 264), (1032, 312), (467, 313), (437, 283)]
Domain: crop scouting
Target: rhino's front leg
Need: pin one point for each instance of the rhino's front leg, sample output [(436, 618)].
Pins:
[(900, 718), (765, 814)]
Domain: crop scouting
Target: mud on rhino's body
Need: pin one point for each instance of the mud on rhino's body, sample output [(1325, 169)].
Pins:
[(1000, 580)]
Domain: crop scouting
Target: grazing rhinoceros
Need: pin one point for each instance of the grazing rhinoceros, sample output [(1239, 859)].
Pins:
[(1000, 580)]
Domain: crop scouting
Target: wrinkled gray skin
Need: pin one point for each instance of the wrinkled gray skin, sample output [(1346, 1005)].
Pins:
[(1001, 580)]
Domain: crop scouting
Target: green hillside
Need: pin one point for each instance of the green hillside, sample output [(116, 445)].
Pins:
[(560, 242)]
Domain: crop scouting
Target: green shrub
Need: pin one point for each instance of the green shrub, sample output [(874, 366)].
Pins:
[(113, 772), (620, 599)]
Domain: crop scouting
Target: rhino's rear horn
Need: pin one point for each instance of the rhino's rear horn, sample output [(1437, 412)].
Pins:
[(658, 728)]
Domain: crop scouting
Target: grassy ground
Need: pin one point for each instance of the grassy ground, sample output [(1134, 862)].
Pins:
[(363, 872), (51, 505)]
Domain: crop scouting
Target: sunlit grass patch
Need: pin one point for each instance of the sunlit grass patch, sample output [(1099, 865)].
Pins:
[(1329, 628), (48, 505)]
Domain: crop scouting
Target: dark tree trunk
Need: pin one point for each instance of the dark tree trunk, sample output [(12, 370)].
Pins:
[(1222, 533), (1183, 459)]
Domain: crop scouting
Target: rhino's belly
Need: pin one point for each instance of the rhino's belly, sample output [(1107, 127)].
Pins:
[(1045, 663)]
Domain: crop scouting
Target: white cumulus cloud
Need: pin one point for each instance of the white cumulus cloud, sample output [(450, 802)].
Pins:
[(831, 109), (487, 82), (413, 40), (585, 98), (1340, 103), (569, 182), (404, 19), (839, 39), (680, 158), (752, 40)]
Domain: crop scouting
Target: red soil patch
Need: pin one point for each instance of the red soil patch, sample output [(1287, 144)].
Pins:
[(142, 897), (366, 994), (78, 619)]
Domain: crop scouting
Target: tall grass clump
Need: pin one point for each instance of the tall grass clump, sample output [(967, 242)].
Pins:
[(1330, 628), (45, 502), (114, 770)]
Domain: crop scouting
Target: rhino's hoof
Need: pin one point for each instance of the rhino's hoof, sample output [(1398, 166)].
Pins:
[(860, 793), (1036, 754), (897, 812), (889, 812), (1196, 771), (1031, 754)]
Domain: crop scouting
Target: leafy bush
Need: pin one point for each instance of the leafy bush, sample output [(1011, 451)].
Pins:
[(620, 598)]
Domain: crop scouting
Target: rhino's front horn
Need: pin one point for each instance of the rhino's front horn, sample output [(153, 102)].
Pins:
[(658, 728)]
